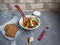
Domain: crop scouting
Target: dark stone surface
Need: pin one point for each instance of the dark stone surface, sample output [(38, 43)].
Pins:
[(52, 36)]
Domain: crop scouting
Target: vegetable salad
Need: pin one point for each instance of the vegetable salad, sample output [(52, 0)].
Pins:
[(31, 22)]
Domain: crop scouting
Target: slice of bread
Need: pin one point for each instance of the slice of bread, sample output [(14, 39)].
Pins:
[(11, 30)]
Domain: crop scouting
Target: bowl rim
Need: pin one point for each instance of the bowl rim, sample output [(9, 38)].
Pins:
[(30, 28)]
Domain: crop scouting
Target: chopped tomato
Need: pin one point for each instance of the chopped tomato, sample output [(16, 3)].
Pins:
[(24, 23), (28, 26), (28, 20), (34, 23)]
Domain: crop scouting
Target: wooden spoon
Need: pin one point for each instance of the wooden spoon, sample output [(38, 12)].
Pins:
[(21, 12)]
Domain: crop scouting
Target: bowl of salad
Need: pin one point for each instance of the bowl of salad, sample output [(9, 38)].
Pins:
[(33, 23)]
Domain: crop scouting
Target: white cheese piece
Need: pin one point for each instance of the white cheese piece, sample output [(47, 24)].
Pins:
[(31, 39)]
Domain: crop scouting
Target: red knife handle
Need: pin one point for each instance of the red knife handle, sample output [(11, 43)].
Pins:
[(41, 35), (20, 10)]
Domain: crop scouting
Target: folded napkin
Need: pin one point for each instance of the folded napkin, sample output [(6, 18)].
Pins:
[(15, 20)]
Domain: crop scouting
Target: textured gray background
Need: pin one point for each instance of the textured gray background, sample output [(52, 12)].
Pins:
[(52, 36)]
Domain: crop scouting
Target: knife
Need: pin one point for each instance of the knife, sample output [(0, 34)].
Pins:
[(42, 35)]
